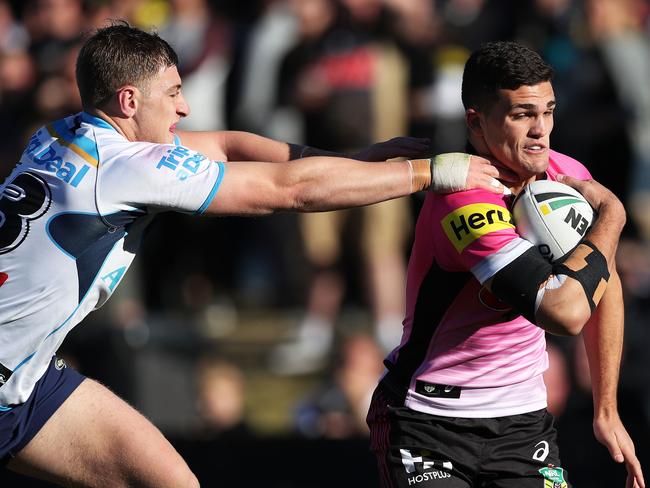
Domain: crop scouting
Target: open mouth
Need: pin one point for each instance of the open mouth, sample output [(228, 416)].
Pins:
[(535, 147)]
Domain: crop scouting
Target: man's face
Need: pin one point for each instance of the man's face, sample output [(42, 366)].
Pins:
[(160, 107), (516, 129)]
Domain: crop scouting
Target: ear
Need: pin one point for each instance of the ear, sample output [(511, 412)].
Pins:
[(127, 100), (473, 121)]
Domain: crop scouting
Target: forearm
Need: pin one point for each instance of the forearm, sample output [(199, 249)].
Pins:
[(606, 232), (329, 183), (312, 185), (603, 336)]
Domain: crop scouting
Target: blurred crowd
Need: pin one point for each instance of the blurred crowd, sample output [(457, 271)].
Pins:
[(339, 75)]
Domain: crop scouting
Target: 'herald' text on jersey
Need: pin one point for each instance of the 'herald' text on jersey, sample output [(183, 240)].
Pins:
[(466, 224)]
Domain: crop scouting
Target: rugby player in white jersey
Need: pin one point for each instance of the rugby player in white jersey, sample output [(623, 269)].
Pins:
[(463, 401), (72, 214)]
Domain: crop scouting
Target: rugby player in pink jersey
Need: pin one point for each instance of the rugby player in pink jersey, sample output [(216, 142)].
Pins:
[(463, 402)]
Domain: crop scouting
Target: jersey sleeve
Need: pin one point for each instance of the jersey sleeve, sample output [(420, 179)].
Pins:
[(163, 177), (476, 233)]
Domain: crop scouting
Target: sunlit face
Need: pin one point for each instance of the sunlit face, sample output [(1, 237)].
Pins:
[(160, 106), (516, 129)]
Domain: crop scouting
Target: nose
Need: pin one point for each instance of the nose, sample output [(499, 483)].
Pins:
[(182, 109), (540, 127)]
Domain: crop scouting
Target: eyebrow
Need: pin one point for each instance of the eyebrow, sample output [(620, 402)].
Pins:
[(174, 88), (531, 106)]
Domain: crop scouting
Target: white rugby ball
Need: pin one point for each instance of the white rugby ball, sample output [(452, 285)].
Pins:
[(553, 216)]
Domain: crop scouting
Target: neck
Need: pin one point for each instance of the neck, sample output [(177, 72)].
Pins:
[(123, 125), (479, 148)]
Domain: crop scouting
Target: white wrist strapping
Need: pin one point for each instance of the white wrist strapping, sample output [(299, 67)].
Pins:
[(449, 172)]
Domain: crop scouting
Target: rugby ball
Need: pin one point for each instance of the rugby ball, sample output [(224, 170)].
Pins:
[(553, 216)]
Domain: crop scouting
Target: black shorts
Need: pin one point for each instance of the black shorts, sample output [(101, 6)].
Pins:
[(419, 450)]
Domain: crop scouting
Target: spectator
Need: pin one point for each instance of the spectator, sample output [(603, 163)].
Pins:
[(349, 84)]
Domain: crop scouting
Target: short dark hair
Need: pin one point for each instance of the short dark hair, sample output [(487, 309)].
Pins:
[(500, 65), (119, 55)]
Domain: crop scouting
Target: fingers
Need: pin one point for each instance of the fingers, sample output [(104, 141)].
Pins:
[(621, 448), (595, 193), (483, 174), (633, 466), (572, 182), (485, 182)]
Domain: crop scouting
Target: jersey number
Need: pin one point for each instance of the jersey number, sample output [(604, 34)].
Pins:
[(25, 199)]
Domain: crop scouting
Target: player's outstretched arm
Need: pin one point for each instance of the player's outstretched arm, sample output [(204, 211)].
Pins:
[(314, 184), (319, 184), (603, 336), (451, 171)]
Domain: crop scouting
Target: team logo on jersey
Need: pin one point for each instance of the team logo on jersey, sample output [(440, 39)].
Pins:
[(436, 390), (553, 477), (491, 301), (466, 224), (182, 161), (3, 277)]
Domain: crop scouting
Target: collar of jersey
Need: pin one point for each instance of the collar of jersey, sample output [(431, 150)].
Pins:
[(91, 119)]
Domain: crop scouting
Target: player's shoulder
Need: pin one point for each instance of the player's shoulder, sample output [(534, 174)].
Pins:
[(564, 164)]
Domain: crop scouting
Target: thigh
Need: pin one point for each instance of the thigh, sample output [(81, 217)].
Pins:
[(526, 455), (96, 439), (416, 450)]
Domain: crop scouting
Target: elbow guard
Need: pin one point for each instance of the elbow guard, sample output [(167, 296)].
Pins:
[(587, 265)]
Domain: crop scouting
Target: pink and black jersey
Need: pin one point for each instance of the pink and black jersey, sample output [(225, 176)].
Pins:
[(464, 352)]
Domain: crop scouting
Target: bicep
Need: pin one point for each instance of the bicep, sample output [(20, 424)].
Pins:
[(210, 143), (251, 188)]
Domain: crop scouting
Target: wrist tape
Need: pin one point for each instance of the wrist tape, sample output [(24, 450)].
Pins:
[(449, 172)]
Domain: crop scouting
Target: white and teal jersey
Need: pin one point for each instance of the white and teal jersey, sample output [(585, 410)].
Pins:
[(72, 214)]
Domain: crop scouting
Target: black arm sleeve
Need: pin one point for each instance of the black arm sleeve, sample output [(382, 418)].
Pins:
[(518, 282), (296, 151)]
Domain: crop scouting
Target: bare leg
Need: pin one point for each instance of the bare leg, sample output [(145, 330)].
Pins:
[(95, 439)]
